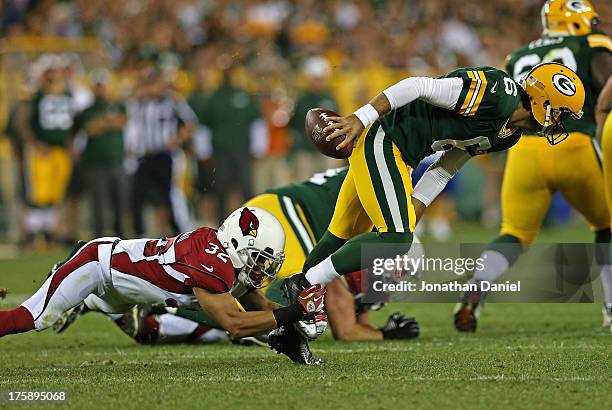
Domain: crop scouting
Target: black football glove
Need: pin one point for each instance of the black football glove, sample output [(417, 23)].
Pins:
[(400, 327)]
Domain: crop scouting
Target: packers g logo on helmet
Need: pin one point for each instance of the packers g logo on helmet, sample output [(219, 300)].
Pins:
[(555, 93), (568, 17), (564, 84)]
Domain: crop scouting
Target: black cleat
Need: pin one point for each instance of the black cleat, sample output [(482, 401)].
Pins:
[(287, 341), (293, 285), (132, 322), (467, 311), (69, 317), (261, 340)]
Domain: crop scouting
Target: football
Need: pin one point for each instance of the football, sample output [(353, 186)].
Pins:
[(316, 120)]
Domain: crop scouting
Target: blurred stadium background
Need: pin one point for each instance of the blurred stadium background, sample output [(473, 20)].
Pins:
[(270, 60)]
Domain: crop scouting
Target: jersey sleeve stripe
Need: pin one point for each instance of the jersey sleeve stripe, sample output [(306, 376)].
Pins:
[(599, 41), (469, 95), (476, 80), (481, 92)]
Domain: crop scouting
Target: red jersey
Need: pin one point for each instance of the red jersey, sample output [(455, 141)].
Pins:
[(354, 282), (192, 259)]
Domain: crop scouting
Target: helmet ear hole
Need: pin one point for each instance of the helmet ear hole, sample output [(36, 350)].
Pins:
[(235, 243)]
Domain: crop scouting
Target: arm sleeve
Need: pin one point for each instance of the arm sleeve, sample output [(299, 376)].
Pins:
[(438, 174), (441, 92)]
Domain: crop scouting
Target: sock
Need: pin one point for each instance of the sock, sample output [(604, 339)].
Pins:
[(602, 257), (495, 264), (212, 336), (322, 273), (149, 331), (325, 247), (347, 258), (606, 281), (15, 321)]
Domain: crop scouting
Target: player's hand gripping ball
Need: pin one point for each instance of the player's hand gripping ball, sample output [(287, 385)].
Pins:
[(316, 120)]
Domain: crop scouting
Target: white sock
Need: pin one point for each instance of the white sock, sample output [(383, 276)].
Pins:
[(606, 281), (213, 336), (175, 326), (322, 273), (495, 264)]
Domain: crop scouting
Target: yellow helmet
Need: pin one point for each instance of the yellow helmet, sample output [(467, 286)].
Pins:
[(555, 93), (568, 17)]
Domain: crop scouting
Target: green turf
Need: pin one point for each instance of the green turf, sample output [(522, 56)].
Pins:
[(524, 356)]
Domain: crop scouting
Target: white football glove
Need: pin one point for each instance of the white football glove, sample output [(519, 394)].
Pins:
[(311, 329)]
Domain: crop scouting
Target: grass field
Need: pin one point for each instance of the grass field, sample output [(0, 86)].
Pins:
[(524, 356)]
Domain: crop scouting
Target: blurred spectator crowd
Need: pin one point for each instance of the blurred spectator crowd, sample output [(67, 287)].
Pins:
[(249, 71)]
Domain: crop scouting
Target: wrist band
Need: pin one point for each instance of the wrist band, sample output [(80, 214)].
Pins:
[(288, 314), (367, 115)]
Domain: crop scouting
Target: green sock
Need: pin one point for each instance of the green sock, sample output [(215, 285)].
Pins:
[(348, 258), (325, 247), (346, 255)]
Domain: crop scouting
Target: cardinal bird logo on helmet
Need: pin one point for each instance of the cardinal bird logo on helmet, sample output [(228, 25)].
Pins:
[(248, 222)]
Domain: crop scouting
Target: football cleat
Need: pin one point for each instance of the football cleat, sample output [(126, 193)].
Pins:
[(287, 341), (467, 311), (132, 323), (261, 340), (607, 316), (293, 286), (69, 317)]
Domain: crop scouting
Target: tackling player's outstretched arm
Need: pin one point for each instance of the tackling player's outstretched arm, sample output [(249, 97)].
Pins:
[(441, 92), (224, 309), (256, 300)]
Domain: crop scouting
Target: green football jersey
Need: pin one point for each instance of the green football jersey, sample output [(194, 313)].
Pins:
[(575, 52), (317, 197), (53, 117), (476, 124)]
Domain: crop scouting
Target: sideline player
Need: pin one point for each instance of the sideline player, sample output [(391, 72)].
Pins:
[(535, 171), (304, 210), (204, 266)]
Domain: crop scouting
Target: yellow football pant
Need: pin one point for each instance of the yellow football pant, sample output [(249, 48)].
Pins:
[(376, 191), (606, 145), (46, 175), (535, 170)]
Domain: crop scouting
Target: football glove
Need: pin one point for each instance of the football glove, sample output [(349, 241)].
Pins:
[(400, 327), (311, 299), (312, 328)]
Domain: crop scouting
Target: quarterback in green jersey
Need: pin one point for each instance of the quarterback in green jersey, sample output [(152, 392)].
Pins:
[(465, 113), (532, 174)]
